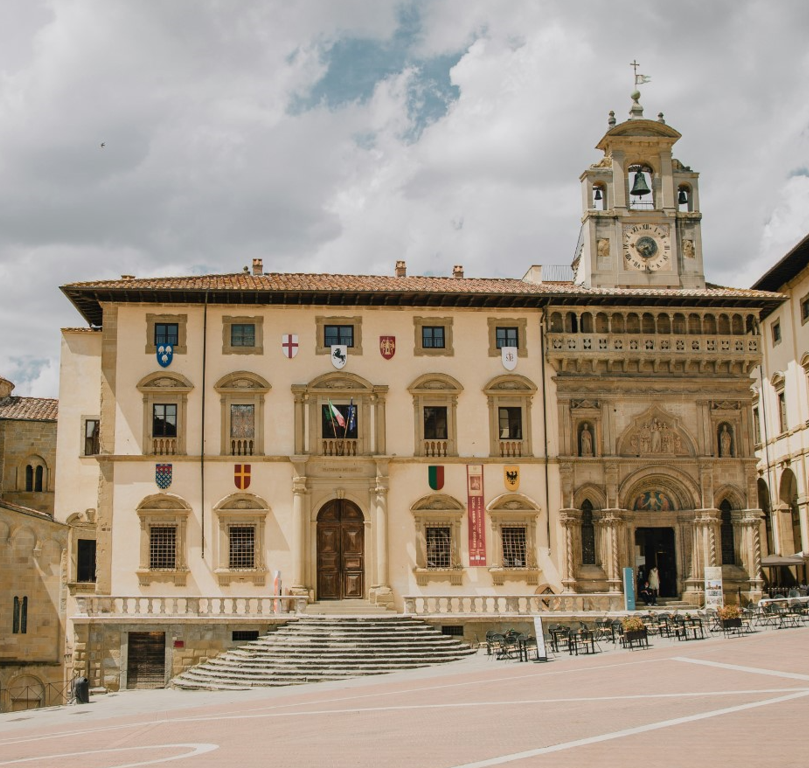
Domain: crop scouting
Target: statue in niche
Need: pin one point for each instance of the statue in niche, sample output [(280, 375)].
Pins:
[(688, 249), (725, 443), (586, 440)]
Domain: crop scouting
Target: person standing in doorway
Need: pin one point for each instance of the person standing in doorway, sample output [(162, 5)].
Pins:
[(654, 581)]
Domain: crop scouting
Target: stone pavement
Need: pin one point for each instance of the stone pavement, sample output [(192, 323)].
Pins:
[(738, 701)]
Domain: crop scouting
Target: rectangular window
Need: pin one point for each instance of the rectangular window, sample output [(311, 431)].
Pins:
[(506, 337), (242, 546), (91, 439), (19, 619), (439, 547), (435, 422), (166, 333), (243, 335), (514, 548), (86, 561), (163, 547), (432, 336), (164, 420), (510, 420), (342, 426), (804, 309), (782, 412), (338, 334), (756, 426), (244, 634), (776, 332), (242, 422)]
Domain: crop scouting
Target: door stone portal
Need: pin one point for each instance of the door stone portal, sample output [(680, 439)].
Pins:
[(340, 551), (658, 549)]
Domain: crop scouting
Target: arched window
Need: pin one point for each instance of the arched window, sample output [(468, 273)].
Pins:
[(29, 478), (728, 549), (764, 506), (588, 534), (38, 475), (641, 186)]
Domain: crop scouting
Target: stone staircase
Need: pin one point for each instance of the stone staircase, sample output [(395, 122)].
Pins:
[(673, 604), (317, 648)]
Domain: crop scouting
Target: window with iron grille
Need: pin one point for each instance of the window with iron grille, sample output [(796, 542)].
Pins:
[(243, 335), (588, 535), (242, 422), (338, 334), (242, 546), (166, 333), (514, 549), (163, 547), (164, 420), (439, 547), (510, 423), (244, 634), (506, 337), (435, 422), (432, 336)]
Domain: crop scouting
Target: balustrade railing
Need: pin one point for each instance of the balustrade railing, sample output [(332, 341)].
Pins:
[(164, 446), (115, 606), (652, 344), (241, 447), (511, 448), (340, 447), (511, 605), (436, 448)]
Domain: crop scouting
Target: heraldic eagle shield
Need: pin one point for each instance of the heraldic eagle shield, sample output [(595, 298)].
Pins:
[(162, 475), (511, 478), (241, 476)]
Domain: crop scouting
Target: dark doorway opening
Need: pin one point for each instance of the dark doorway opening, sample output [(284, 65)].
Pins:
[(146, 660), (657, 548), (340, 551)]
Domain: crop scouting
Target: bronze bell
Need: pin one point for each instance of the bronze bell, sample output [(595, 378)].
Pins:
[(639, 188), (682, 196), (598, 195)]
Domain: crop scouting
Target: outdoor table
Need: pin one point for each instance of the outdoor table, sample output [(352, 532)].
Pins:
[(583, 641), (692, 627)]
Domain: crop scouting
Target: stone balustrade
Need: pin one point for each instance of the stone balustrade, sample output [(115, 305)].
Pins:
[(512, 605), (179, 607)]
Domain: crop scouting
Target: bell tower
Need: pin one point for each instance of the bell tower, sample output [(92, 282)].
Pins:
[(641, 219)]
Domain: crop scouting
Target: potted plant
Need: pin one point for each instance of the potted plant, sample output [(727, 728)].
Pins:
[(730, 616), (634, 631)]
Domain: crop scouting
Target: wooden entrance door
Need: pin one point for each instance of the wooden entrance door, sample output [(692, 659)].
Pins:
[(146, 660), (340, 551)]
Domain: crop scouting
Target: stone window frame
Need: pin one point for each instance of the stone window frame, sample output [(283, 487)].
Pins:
[(510, 391), (35, 462), (82, 527), (241, 510), (514, 510), (447, 350), (778, 382), (321, 321), (163, 510), (438, 510), (83, 435), (257, 321), (181, 348), (520, 323), (165, 388), (435, 389), (775, 330), (242, 388)]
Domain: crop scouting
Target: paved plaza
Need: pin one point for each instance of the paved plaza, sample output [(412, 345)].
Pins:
[(740, 701)]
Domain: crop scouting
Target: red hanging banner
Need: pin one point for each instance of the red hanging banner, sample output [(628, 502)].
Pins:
[(477, 514)]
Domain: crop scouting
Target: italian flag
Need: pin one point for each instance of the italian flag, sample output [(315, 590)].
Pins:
[(336, 415)]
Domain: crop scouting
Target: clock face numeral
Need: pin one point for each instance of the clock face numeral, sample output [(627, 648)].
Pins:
[(646, 247)]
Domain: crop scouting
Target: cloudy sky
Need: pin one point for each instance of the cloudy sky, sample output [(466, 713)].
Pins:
[(342, 135)]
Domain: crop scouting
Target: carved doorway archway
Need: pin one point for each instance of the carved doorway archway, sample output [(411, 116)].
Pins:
[(657, 548), (340, 551)]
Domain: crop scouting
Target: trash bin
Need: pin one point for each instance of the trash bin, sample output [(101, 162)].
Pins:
[(81, 690)]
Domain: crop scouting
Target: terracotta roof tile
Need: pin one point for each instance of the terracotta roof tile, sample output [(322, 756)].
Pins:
[(303, 282), (27, 511), (29, 408), (84, 329)]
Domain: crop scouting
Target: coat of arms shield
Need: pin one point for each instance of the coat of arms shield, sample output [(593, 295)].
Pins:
[(339, 355), (289, 345), (165, 354), (241, 476), (508, 356), (162, 475), (387, 346), (435, 477), (511, 478)]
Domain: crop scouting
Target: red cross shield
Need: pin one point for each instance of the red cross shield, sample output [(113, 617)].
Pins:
[(241, 476)]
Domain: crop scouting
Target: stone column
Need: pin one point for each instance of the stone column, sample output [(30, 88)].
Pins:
[(750, 550), (298, 535), (611, 524), (569, 518), (381, 591)]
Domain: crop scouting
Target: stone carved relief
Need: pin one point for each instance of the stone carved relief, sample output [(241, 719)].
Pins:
[(575, 404), (603, 248), (726, 405), (655, 433)]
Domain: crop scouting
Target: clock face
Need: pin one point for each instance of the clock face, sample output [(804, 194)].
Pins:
[(647, 247)]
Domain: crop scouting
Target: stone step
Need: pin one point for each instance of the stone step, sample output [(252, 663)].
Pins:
[(314, 648)]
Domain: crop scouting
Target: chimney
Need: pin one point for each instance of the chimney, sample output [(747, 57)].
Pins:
[(533, 275), (401, 269), (127, 277), (258, 267), (457, 270)]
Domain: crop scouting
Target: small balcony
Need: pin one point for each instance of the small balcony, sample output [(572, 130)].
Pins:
[(241, 447), (511, 449), (164, 446), (436, 448), (339, 447)]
